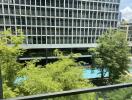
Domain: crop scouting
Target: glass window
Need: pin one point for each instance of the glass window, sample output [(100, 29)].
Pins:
[(12, 20), (0, 9), (17, 1), (34, 39), (33, 21), (23, 21), (57, 3), (53, 3), (48, 11), (43, 21), (39, 39), (34, 31), (30, 39), (49, 40), (1, 20), (43, 31), (5, 1), (32, 2), (47, 2), (18, 21), (43, 2), (23, 10), (6, 10), (43, 40), (28, 31), (33, 11), (43, 12), (38, 12), (28, 21), (38, 2), (52, 12), (23, 1), (61, 3), (11, 10), (38, 21), (28, 2), (17, 10), (39, 31)]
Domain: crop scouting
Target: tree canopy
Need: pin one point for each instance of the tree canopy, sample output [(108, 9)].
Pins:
[(112, 54)]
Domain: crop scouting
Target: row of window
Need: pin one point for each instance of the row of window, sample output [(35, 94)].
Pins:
[(58, 31), (60, 40), (57, 22), (62, 3), (57, 12)]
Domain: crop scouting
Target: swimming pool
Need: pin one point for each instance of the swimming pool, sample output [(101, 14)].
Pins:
[(95, 73)]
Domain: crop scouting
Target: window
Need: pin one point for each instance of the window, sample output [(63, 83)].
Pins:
[(28, 31), (43, 12), (32, 2), (17, 1), (53, 3), (33, 11), (34, 31), (39, 39), (28, 21), (57, 3), (18, 21), (1, 20), (23, 1), (43, 31), (39, 31), (38, 12), (34, 39), (28, 2), (43, 40), (43, 2), (33, 21), (17, 10), (23, 20), (38, 21), (23, 10), (6, 10), (47, 2), (30, 39), (37, 2), (12, 20)]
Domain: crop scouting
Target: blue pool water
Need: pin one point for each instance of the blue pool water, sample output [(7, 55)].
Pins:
[(20, 80), (130, 70), (93, 73)]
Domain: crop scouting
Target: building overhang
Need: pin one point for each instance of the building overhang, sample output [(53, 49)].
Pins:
[(44, 46)]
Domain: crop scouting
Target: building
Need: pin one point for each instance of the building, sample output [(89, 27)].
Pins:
[(127, 28), (72, 25)]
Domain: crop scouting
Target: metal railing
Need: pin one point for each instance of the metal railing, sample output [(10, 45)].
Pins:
[(73, 92)]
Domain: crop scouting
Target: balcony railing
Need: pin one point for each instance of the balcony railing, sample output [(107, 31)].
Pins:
[(103, 89)]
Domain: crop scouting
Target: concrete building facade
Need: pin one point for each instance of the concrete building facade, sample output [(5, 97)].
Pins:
[(59, 23)]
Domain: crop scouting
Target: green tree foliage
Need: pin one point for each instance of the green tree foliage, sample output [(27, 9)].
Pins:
[(9, 92), (9, 54), (8, 59), (64, 74), (111, 53)]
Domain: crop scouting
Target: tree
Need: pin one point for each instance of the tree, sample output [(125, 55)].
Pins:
[(64, 74), (8, 59), (111, 54)]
